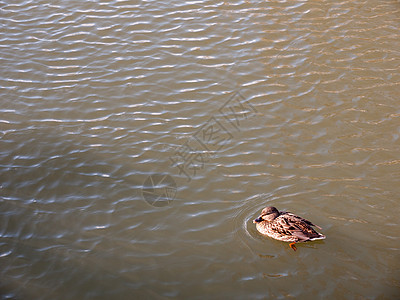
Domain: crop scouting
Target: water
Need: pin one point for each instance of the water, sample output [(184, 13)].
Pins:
[(140, 138)]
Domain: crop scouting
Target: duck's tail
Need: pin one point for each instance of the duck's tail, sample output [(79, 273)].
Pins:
[(319, 237)]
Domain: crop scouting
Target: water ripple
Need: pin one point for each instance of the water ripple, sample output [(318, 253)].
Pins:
[(97, 96)]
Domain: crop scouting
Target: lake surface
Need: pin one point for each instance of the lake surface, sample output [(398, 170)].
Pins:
[(139, 139)]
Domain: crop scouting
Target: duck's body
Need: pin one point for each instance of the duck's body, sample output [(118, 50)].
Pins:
[(287, 227)]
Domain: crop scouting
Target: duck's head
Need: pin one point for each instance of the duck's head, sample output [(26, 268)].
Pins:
[(268, 214)]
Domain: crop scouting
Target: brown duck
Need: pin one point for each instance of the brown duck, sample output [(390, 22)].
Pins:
[(287, 227)]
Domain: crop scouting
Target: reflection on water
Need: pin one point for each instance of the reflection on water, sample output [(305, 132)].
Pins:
[(140, 140)]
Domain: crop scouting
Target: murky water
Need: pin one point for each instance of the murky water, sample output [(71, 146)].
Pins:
[(140, 138)]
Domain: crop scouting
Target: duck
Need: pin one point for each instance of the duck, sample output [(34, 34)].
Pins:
[(286, 227)]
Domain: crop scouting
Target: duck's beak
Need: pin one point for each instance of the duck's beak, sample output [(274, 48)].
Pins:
[(259, 219)]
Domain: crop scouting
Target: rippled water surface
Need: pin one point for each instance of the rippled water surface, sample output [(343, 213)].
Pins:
[(139, 139)]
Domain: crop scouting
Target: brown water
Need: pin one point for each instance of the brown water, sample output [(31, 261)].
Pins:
[(140, 138)]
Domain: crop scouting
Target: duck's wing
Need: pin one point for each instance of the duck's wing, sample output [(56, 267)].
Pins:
[(295, 218), (283, 227), (299, 227)]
